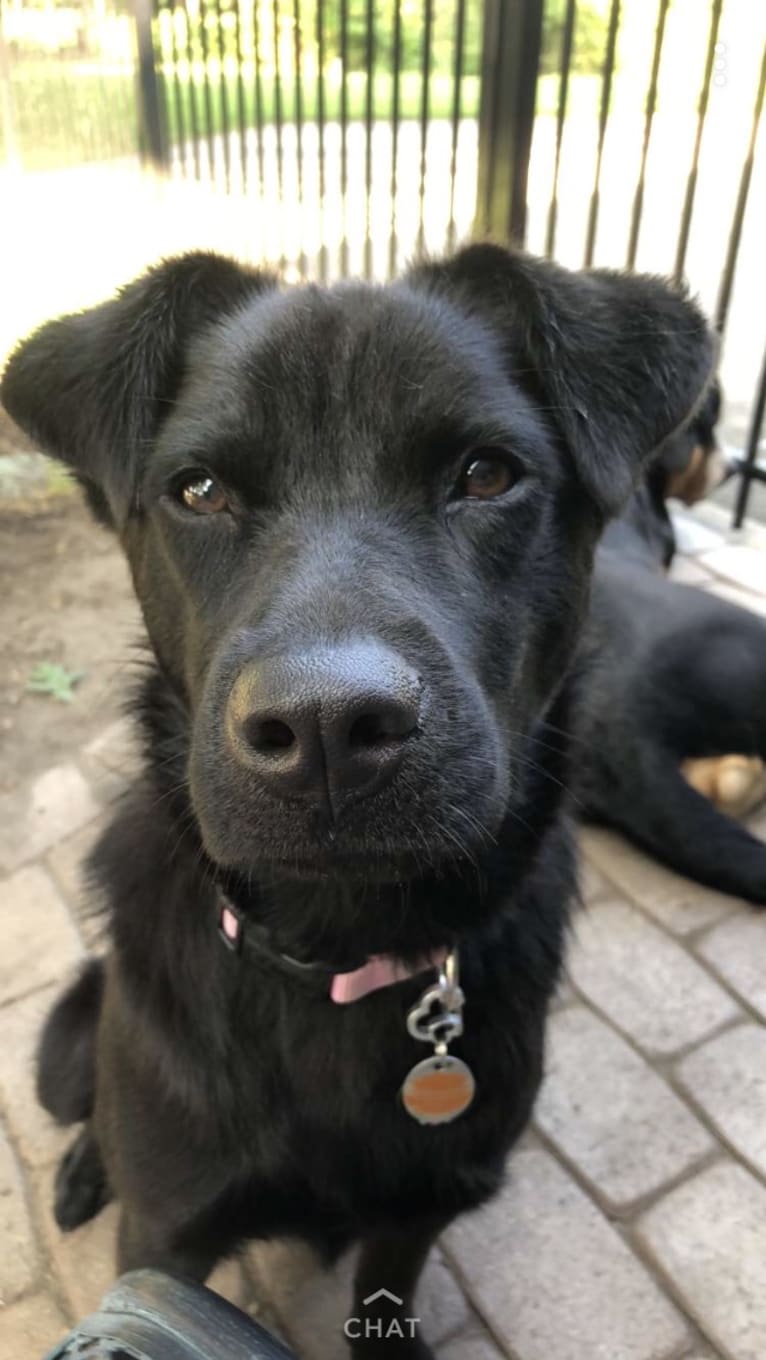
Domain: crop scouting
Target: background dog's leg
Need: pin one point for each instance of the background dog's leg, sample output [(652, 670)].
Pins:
[(661, 812), (66, 1063), (81, 1188), (391, 1261)]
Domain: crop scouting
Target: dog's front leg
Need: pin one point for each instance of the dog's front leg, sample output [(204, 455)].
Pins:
[(384, 1321), (143, 1242)]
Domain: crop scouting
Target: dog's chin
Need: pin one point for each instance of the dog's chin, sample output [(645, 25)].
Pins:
[(374, 855), (375, 865)]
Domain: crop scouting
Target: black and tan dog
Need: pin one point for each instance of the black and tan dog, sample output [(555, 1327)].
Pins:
[(673, 710), (361, 524)]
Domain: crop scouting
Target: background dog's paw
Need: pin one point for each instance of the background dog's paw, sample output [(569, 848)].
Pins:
[(80, 1189), (735, 783)]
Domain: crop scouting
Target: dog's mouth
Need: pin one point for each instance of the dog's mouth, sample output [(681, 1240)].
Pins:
[(335, 921)]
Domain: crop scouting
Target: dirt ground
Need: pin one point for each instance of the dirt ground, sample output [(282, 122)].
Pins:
[(66, 599)]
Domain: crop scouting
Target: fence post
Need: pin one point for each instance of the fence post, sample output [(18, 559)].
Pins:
[(151, 104), (510, 63)]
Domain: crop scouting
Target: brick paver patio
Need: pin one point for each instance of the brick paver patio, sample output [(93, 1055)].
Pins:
[(633, 1224)]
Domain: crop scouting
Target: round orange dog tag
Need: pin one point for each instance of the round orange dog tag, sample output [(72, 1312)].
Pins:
[(438, 1089)]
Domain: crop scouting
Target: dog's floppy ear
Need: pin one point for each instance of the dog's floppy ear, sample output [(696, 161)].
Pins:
[(92, 388), (618, 361)]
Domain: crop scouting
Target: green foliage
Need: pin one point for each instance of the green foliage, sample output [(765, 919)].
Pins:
[(67, 114), (398, 27), (589, 40), (48, 677), (66, 117)]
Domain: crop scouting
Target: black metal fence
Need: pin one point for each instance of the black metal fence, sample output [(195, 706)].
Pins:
[(361, 131)]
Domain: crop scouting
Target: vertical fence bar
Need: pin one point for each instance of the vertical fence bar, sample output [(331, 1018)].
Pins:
[(510, 61), (567, 40), (278, 99), (396, 61), (193, 118), (606, 94), (425, 93), (749, 471), (298, 104), (369, 63), (207, 89), (651, 105), (321, 115), (735, 234), (177, 96), (691, 184), (223, 95), (241, 110), (457, 105), (258, 83), (344, 136), (153, 115)]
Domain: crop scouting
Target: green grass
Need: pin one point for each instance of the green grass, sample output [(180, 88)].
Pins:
[(440, 101), (66, 117)]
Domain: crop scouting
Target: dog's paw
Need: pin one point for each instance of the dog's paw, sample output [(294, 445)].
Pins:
[(735, 784), (81, 1189)]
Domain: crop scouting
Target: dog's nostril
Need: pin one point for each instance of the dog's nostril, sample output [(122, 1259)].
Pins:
[(269, 734), (369, 730), (383, 728)]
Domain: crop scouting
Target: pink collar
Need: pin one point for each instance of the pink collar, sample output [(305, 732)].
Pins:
[(381, 970)]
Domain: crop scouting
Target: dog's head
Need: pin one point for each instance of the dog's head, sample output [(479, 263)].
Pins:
[(360, 523), (690, 465)]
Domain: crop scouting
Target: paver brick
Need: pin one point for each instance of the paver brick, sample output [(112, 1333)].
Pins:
[(29, 1328), (553, 1279), (54, 805), (695, 537), (38, 1138), (112, 758), (744, 598), (644, 981), (40, 941), (727, 1078), (676, 902), (474, 1345), (688, 571), (742, 565), (607, 1111), (85, 1259), (66, 862), (228, 1280), (593, 885), (736, 950), (18, 1259), (709, 1236)]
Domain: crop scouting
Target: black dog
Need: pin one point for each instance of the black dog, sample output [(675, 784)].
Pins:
[(675, 700), (684, 468), (361, 524)]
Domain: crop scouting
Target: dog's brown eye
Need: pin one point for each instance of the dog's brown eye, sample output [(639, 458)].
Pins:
[(204, 496), (487, 475)]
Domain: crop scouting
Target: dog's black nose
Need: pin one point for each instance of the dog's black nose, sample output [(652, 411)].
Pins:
[(321, 723)]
